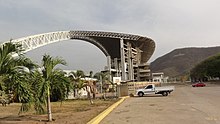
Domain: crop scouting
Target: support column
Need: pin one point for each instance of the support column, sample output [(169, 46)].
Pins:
[(122, 60), (138, 56), (109, 67), (130, 63), (116, 66)]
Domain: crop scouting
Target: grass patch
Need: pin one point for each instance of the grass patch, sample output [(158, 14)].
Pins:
[(70, 111)]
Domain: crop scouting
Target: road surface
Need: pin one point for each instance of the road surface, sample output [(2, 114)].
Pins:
[(186, 105)]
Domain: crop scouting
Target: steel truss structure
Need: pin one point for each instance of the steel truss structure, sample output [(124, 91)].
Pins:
[(32, 42)]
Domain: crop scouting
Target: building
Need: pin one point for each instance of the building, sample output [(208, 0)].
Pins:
[(142, 72), (159, 77)]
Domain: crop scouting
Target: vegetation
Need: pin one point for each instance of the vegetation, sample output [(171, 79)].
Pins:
[(34, 86), (207, 68), (27, 83), (12, 66), (53, 80), (38, 85), (79, 81), (105, 82), (76, 81)]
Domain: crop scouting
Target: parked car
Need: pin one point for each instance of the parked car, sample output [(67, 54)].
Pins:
[(198, 85)]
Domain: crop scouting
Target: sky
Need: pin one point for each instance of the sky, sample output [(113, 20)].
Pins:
[(171, 24)]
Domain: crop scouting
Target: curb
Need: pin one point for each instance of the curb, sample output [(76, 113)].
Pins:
[(102, 115)]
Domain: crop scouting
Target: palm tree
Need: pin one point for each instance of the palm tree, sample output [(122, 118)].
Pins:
[(9, 66), (104, 80), (38, 90), (7, 62), (28, 85), (91, 74), (80, 82), (18, 84), (60, 86), (76, 80), (13, 73), (51, 77)]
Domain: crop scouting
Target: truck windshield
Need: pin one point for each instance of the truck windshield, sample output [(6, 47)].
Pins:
[(149, 87)]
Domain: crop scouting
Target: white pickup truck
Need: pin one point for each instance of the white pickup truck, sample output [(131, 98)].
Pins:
[(151, 89)]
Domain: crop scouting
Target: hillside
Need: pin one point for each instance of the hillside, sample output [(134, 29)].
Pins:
[(180, 61)]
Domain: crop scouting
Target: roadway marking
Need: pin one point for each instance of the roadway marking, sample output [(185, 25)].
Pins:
[(102, 115)]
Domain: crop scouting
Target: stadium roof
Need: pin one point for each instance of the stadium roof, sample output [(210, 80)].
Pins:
[(109, 42)]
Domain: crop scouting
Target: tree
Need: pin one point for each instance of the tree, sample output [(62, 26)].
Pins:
[(10, 64), (18, 84), (207, 68), (79, 82), (60, 86), (91, 74), (7, 61), (28, 84), (31, 87), (51, 77), (13, 72), (36, 81), (104, 80)]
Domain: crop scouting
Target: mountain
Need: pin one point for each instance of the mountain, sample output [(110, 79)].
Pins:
[(180, 61)]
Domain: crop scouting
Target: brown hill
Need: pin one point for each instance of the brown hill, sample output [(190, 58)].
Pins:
[(180, 61)]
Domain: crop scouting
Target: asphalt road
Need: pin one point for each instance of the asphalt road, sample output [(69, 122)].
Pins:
[(186, 105)]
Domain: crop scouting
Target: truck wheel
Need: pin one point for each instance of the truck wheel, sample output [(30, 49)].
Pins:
[(140, 94), (165, 94)]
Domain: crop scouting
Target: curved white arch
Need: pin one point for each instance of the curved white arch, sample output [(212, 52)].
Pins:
[(35, 41), (32, 42)]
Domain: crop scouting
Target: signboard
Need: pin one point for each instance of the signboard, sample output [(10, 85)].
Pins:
[(116, 80)]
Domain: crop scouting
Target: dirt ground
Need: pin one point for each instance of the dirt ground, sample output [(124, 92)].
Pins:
[(69, 112), (186, 105)]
